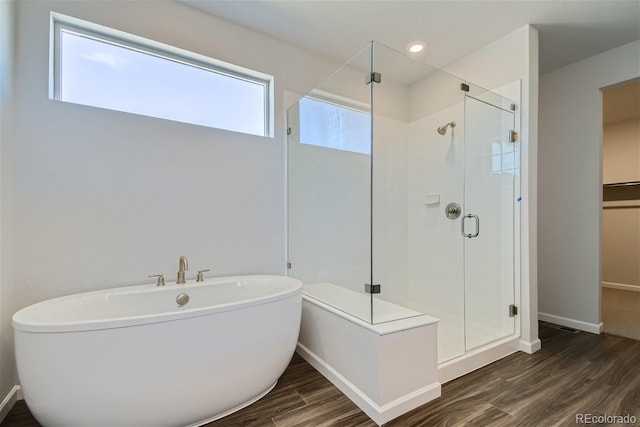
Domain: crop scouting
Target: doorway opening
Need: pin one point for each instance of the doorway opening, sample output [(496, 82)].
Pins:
[(620, 254)]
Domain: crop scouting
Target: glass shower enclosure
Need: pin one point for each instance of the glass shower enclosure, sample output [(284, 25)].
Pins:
[(403, 198)]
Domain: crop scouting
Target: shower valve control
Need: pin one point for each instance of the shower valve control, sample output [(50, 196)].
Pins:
[(452, 210)]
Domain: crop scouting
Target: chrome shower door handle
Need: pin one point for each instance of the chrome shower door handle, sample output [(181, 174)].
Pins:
[(471, 235)]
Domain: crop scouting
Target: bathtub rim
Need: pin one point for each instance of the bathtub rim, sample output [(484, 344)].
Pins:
[(24, 325)]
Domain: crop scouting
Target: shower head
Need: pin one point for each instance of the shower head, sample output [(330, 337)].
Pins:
[(443, 129)]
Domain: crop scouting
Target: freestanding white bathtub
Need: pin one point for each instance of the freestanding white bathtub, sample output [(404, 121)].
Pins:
[(133, 357)]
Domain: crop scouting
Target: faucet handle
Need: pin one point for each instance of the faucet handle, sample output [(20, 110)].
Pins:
[(200, 276), (160, 279)]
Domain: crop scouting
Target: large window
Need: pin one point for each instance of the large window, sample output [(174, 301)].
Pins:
[(97, 66)]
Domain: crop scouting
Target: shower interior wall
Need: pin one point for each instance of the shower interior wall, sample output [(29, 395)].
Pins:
[(411, 168), (443, 283)]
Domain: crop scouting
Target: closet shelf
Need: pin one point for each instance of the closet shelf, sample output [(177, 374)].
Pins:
[(621, 194), (622, 184)]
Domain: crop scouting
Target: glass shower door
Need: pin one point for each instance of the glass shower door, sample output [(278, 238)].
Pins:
[(491, 164)]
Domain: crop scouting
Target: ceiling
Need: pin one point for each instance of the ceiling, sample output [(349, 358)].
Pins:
[(570, 30)]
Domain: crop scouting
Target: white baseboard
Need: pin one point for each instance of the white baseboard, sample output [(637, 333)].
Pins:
[(10, 399), (594, 328), (530, 346), (476, 359), (379, 414)]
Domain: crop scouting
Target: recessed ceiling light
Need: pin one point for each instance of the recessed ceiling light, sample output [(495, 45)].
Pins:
[(416, 47)]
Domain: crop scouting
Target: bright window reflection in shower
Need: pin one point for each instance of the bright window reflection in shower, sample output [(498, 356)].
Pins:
[(329, 125), (503, 155)]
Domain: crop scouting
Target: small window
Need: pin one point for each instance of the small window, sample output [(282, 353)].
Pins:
[(97, 66), (330, 125)]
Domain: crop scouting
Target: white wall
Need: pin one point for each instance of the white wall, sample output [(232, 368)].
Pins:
[(569, 179), (102, 198), (7, 40)]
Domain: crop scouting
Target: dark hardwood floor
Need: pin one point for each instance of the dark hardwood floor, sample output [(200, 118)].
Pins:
[(574, 373)]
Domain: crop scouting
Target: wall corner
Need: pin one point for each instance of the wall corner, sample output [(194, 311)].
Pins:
[(529, 217)]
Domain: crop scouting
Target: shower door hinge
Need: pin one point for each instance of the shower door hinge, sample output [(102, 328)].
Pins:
[(288, 131), (373, 77), (513, 136), (289, 265), (464, 87), (372, 289), (513, 310)]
